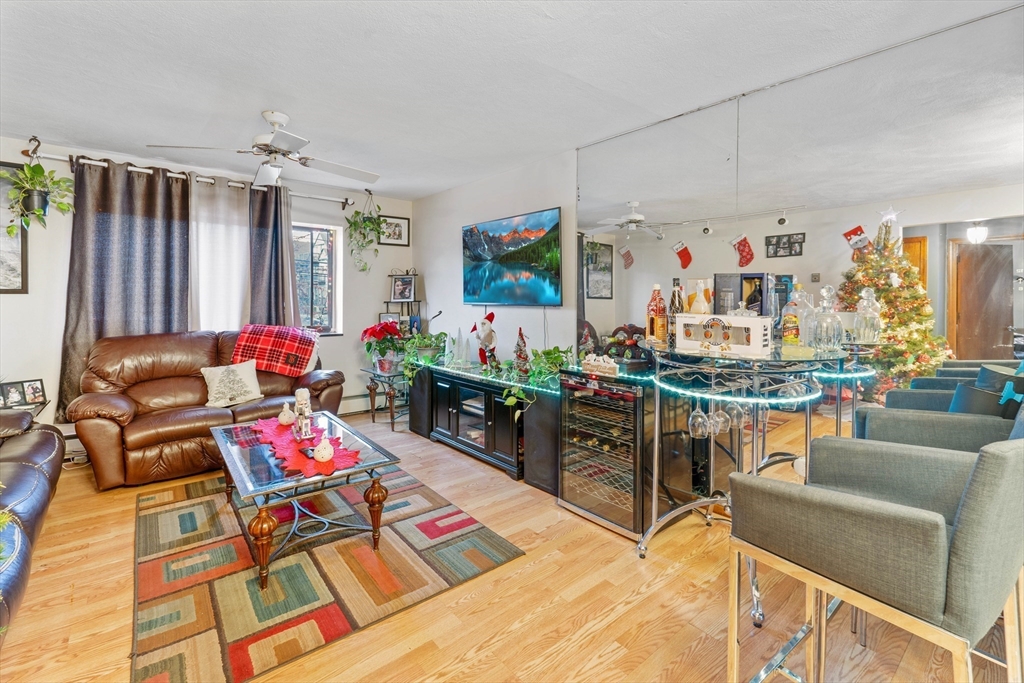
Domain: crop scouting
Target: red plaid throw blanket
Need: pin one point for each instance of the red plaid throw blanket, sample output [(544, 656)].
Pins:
[(284, 350)]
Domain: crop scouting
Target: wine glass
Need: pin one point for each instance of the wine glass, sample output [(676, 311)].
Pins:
[(736, 416), (700, 425), (721, 421)]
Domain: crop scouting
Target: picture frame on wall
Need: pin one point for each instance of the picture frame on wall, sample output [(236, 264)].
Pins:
[(403, 288), (13, 250), (396, 231), (388, 318), (599, 272), (797, 248)]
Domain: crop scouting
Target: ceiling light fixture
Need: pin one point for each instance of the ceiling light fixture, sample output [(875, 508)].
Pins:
[(977, 233)]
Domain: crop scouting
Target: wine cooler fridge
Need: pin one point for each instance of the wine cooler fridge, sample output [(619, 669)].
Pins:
[(607, 449)]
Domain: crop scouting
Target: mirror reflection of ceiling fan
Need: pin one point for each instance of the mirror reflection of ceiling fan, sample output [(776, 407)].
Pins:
[(279, 146), (631, 222)]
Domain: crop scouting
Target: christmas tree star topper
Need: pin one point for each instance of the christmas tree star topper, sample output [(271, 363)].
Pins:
[(890, 214)]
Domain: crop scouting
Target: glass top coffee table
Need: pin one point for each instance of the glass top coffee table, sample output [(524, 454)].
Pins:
[(259, 477)]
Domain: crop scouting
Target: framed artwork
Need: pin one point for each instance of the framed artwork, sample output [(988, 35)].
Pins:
[(396, 231), (785, 245), (414, 324), (403, 288), (599, 272), (13, 250), (388, 318)]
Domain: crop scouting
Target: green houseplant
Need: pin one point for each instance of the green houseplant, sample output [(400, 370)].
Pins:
[(364, 229), (422, 348), (33, 190)]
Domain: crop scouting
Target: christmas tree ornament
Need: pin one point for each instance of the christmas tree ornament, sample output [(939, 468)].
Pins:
[(895, 280), (324, 451), (743, 249), (521, 360), (858, 241), (627, 257), (683, 252)]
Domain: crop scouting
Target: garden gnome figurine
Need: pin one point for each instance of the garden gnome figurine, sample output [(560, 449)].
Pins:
[(488, 339)]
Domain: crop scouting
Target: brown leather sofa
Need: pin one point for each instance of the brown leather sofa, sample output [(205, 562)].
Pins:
[(30, 459), (142, 415)]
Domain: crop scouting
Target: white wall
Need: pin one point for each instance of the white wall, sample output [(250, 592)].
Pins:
[(825, 251), (438, 227), (32, 325)]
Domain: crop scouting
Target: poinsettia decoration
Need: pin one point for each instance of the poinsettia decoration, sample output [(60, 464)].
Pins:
[(382, 337), (284, 447)]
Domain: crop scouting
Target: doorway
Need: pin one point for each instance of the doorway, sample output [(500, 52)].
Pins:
[(980, 303)]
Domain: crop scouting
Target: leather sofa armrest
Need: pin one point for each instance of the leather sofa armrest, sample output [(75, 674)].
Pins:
[(116, 407), (318, 380)]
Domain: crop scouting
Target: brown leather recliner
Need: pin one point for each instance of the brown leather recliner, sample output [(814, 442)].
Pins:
[(142, 415)]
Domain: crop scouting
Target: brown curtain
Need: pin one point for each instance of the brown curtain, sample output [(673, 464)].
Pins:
[(274, 297), (129, 262)]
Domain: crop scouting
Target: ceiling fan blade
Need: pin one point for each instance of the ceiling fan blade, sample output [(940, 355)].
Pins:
[(266, 174), (644, 226), (338, 169), (610, 221), (599, 230), (222, 149), (666, 225), (286, 141)]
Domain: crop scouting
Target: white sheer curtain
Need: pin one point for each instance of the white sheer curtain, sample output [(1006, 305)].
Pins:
[(218, 255)]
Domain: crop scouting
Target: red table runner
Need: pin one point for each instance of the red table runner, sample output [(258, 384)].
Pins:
[(284, 447)]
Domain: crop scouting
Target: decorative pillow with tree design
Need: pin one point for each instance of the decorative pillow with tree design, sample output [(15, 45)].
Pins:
[(229, 385)]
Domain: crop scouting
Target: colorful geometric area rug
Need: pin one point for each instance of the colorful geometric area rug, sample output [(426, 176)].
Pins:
[(200, 614)]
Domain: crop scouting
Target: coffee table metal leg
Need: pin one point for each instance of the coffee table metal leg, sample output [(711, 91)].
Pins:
[(372, 388), (262, 527), (229, 483), (375, 495)]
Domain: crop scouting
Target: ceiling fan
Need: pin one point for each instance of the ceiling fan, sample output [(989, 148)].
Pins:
[(631, 222), (278, 146)]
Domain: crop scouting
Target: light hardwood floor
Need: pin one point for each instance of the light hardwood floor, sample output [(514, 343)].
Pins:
[(580, 606)]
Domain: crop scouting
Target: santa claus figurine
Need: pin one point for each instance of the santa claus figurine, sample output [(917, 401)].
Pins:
[(488, 340)]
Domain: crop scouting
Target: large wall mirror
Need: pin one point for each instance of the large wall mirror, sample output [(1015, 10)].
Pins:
[(934, 127)]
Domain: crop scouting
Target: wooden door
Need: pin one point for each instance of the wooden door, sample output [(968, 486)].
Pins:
[(916, 251), (984, 301)]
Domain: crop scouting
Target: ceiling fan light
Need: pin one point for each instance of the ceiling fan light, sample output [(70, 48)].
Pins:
[(977, 234)]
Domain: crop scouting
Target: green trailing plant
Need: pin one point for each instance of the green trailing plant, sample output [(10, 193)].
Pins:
[(34, 178), (412, 362), (544, 365), (364, 229)]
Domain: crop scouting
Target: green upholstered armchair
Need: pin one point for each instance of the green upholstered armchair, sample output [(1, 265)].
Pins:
[(928, 539), (932, 428)]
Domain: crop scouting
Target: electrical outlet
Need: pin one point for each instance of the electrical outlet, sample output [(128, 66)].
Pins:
[(815, 277)]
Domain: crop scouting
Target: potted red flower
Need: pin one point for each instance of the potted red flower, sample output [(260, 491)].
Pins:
[(383, 344)]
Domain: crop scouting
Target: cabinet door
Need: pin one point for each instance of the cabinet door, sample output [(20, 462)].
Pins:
[(470, 426), (503, 430), (443, 416)]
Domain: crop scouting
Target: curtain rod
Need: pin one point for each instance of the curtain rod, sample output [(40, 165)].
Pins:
[(345, 202)]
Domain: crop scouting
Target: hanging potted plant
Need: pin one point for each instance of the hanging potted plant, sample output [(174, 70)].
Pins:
[(33, 189), (364, 229), (383, 345)]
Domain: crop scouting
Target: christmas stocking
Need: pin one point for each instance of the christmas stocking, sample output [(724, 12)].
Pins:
[(627, 257), (743, 248), (683, 252)]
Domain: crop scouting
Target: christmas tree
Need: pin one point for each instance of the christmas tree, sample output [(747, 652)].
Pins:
[(907, 314), (521, 361)]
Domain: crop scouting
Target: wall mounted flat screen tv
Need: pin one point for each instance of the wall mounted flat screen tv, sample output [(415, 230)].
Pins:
[(514, 261)]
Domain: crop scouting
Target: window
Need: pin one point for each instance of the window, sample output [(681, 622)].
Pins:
[(315, 275)]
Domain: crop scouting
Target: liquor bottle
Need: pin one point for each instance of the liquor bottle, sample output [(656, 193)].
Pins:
[(657, 318), (676, 305), (700, 305), (828, 328), (867, 324), (753, 301), (797, 316)]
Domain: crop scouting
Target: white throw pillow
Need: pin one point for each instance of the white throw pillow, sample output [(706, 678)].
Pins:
[(311, 365), (229, 385)]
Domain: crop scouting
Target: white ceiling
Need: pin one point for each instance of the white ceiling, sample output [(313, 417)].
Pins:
[(431, 95), (937, 115)]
